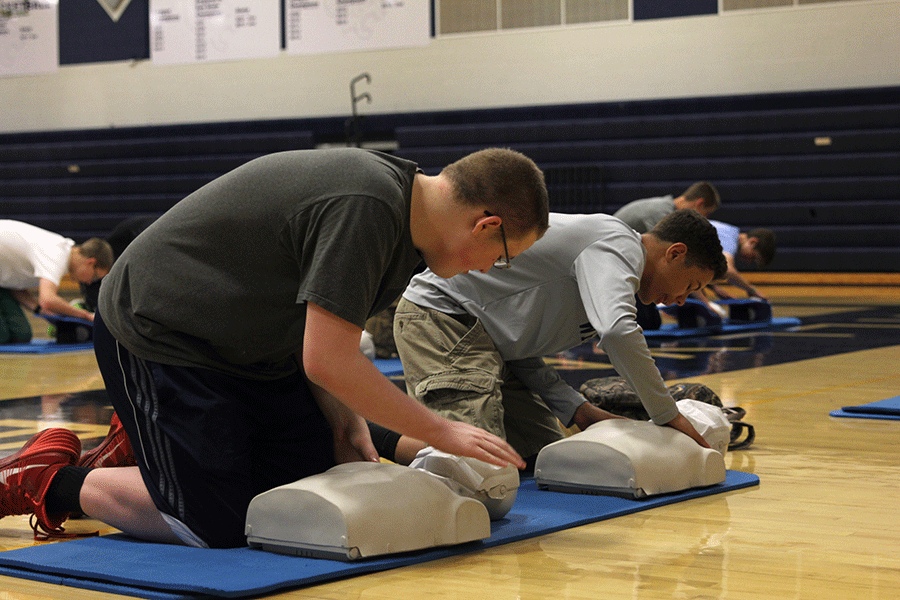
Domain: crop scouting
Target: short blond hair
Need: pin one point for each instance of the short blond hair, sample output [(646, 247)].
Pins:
[(99, 250)]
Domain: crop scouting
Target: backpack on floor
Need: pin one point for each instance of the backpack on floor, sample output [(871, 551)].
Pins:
[(615, 395), (381, 327)]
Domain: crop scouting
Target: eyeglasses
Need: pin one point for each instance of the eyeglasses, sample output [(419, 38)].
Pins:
[(503, 261)]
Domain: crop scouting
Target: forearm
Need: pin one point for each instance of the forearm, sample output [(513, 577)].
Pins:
[(59, 306), (332, 361), (50, 301), (369, 394), (628, 352), (336, 413), (737, 280), (351, 432)]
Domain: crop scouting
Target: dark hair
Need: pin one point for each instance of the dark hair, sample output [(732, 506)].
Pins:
[(765, 245), (506, 183), (705, 191), (697, 233)]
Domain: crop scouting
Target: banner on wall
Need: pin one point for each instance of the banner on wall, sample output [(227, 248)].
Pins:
[(29, 37), (194, 31), (114, 8), (319, 26)]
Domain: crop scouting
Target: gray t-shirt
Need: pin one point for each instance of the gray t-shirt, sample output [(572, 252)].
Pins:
[(643, 215), (222, 279), (578, 280)]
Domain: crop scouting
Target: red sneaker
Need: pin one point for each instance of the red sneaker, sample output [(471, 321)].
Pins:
[(26, 475), (114, 451)]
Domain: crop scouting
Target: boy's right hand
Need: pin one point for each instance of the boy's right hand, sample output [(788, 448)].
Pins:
[(682, 424), (463, 439)]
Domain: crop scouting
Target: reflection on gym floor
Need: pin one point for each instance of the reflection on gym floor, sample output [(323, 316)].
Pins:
[(824, 333)]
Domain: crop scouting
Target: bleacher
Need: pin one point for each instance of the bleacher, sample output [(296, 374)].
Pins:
[(82, 183), (821, 169)]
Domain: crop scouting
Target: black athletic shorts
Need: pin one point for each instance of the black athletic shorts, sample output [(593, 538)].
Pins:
[(207, 443)]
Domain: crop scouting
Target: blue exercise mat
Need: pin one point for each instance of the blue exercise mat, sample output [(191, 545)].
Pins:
[(672, 330), (883, 409), (389, 366), (122, 565), (44, 347)]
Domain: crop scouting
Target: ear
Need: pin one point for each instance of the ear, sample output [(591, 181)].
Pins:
[(676, 251), (486, 221)]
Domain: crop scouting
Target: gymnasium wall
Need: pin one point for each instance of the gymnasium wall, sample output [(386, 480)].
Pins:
[(794, 114), (838, 45)]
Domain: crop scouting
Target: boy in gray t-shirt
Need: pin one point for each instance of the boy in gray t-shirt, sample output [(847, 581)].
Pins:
[(228, 336), (643, 215)]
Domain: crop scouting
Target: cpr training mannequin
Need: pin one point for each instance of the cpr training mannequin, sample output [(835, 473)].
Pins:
[(637, 458), (363, 509), (359, 510)]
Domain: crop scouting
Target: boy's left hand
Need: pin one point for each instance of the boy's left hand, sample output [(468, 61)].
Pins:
[(353, 443), (587, 414)]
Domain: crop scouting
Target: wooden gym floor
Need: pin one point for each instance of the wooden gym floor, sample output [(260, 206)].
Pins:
[(822, 525)]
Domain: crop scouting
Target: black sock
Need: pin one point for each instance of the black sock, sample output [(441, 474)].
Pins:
[(63, 495), (384, 440)]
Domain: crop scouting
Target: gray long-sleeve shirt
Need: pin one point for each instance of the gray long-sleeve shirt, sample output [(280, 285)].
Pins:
[(579, 280)]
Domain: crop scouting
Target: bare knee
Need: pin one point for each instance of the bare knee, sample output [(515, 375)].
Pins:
[(118, 497)]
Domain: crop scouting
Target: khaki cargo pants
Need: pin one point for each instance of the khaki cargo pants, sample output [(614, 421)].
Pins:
[(452, 366)]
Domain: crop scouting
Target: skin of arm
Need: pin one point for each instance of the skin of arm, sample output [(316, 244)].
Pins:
[(333, 363), (587, 414), (569, 406), (24, 298), (50, 301), (734, 277), (352, 441)]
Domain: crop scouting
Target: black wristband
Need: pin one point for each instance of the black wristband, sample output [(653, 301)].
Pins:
[(384, 440), (37, 309)]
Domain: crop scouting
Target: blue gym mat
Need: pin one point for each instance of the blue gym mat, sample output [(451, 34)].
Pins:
[(672, 330), (883, 409), (389, 366), (44, 347), (121, 565)]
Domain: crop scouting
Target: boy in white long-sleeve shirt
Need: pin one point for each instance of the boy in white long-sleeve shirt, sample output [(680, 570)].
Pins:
[(34, 258)]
